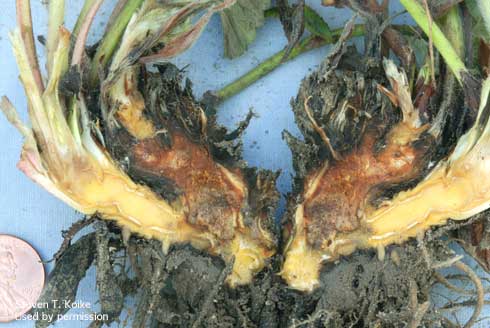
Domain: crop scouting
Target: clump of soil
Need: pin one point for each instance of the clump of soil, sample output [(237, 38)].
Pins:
[(186, 287), (359, 291)]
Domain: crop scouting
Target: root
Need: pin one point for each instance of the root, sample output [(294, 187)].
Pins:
[(479, 289), (461, 305), (243, 319), (312, 319), (155, 280), (451, 226), (418, 309), (320, 131), (479, 302), (447, 263), (132, 256), (479, 293), (448, 323), (425, 252), (158, 281), (442, 280), (464, 277), (413, 299), (212, 295), (419, 314)]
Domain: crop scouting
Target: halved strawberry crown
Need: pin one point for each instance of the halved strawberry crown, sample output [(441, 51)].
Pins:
[(456, 189), (64, 150)]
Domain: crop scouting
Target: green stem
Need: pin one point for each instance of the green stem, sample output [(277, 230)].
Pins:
[(442, 44), (81, 17), (452, 26), (24, 23), (270, 64), (112, 38), (271, 13), (56, 16)]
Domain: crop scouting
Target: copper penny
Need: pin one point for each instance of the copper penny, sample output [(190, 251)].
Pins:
[(21, 277)]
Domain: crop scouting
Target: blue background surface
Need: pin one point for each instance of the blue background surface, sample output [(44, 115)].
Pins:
[(29, 212)]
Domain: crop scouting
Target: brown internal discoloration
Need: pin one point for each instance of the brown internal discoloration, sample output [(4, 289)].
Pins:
[(336, 203), (212, 195)]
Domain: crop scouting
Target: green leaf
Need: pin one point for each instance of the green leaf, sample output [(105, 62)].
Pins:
[(420, 48), (484, 6), (316, 25), (479, 29), (240, 23)]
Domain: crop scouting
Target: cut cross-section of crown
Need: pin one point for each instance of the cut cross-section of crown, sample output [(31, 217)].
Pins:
[(360, 182)]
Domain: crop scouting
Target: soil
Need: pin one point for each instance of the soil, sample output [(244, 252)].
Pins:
[(359, 291), (186, 287)]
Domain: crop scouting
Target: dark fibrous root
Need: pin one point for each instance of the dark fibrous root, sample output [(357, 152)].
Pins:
[(152, 281), (209, 300), (69, 234), (111, 294), (185, 287)]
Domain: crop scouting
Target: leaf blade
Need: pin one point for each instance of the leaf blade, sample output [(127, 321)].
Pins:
[(240, 23)]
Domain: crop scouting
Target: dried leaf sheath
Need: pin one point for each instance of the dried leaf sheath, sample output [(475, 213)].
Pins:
[(71, 164)]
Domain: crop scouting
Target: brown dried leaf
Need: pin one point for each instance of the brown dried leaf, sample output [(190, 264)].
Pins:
[(182, 42), (475, 239), (484, 56)]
